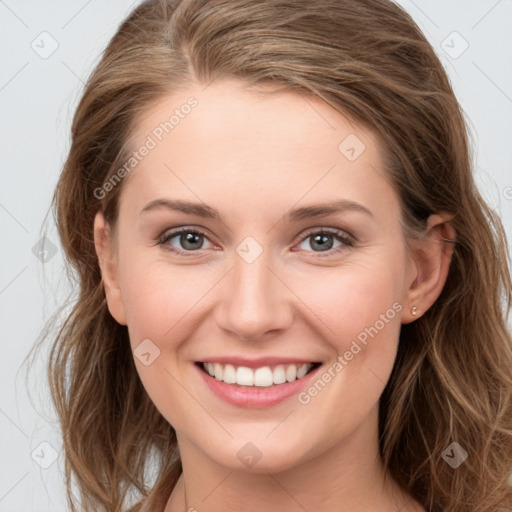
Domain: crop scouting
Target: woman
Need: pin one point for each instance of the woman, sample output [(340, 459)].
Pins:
[(292, 296)]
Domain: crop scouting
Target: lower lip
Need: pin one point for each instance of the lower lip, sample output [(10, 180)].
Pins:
[(255, 397)]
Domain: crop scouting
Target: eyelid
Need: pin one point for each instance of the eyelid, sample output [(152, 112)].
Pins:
[(171, 233), (346, 238), (330, 231)]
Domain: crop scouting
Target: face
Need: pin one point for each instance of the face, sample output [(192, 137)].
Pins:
[(259, 239)]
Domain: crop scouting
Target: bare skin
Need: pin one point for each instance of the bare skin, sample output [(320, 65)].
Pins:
[(254, 158)]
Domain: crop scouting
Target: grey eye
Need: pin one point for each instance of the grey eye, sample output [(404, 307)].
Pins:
[(320, 242)]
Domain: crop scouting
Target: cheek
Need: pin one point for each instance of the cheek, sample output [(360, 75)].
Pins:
[(156, 297), (360, 311), (157, 300), (349, 300)]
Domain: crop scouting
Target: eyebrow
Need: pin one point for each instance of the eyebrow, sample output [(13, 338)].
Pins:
[(298, 214)]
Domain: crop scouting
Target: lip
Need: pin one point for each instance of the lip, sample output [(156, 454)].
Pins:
[(254, 397), (257, 362)]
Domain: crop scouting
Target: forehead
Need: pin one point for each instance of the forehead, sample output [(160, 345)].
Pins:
[(225, 138), (250, 116)]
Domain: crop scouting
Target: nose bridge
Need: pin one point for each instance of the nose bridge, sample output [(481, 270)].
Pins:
[(255, 301)]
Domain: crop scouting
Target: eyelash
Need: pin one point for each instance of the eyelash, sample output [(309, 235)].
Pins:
[(346, 239)]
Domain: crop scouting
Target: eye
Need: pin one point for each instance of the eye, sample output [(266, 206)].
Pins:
[(187, 240), (190, 240), (324, 240)]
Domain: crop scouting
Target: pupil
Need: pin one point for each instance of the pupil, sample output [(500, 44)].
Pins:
[(323, 241), (188, 238)]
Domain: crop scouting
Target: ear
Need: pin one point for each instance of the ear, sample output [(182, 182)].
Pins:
[(107, 257), (430, 257)]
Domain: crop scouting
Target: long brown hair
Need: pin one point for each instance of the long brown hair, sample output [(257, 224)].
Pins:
[(452, 380)]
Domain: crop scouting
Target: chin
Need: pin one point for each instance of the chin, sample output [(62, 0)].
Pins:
[(260, 456)]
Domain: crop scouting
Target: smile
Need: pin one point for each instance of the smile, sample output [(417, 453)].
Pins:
[(256, 383), (263, 376)]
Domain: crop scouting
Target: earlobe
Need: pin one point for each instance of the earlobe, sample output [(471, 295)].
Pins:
[(431, 256), (107, 259)]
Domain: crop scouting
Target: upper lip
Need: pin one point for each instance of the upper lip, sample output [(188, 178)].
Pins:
[(257, 362)]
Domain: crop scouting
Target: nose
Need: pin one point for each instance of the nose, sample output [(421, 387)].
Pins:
[(255, 301)]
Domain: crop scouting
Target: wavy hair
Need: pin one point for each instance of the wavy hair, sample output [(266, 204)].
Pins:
[(452, 379)]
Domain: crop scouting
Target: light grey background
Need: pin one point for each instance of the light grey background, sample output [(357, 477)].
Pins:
[(38, 94)]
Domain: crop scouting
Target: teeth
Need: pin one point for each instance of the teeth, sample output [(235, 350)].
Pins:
[(244, 376), (302, 370), (279, 376), (263, 377), (291, 373), (218, 371), (259, 377), (229, 374)]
